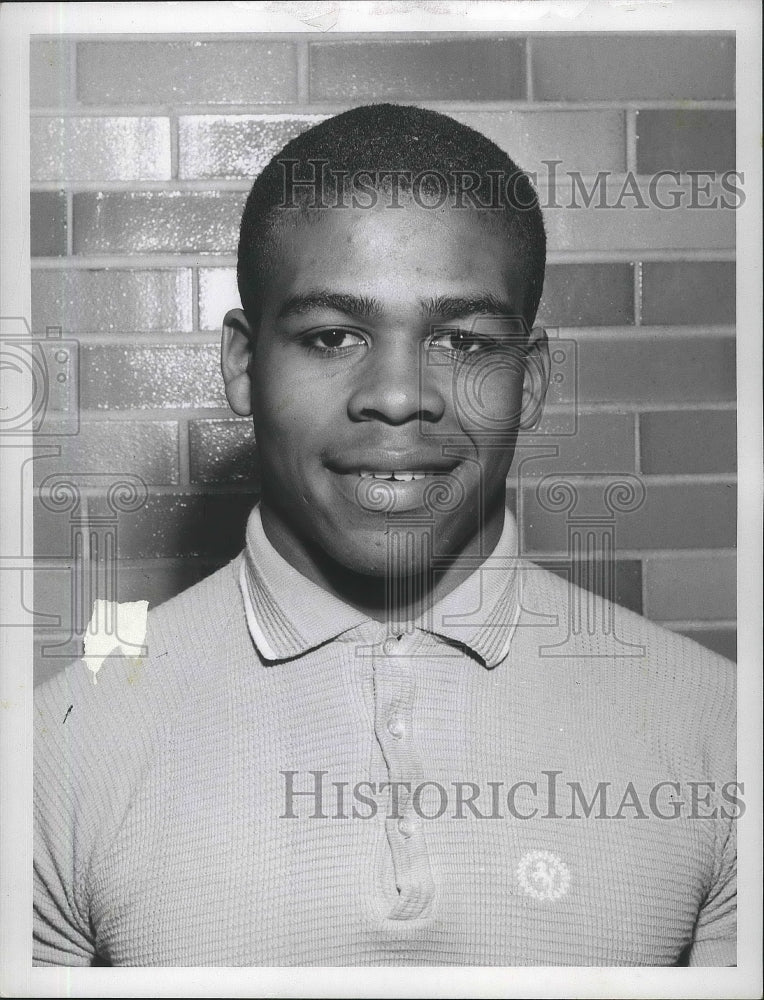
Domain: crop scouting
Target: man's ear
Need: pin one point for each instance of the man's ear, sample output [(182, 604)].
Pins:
[(236, 350), (536, 381)]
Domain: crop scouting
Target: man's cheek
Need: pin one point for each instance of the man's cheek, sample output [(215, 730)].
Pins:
[(487, 396), (282, 406), (280, 410)]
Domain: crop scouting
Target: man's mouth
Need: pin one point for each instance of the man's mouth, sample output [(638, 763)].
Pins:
[(397, 476), (409, 475), (400, 465)]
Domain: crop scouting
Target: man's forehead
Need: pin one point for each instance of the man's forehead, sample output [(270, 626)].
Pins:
[(404, 213), (424, 254)]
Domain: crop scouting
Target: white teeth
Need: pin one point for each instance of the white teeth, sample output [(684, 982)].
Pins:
[(400, 477)]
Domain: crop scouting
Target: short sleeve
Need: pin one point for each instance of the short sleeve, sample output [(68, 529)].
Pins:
[(715, 939)]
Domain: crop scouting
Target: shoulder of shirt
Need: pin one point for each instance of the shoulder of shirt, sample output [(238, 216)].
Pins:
[(661, 684), (666, 651), (132, 700)]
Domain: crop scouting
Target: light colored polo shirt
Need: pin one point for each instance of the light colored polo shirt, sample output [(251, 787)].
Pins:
[(285, 781)]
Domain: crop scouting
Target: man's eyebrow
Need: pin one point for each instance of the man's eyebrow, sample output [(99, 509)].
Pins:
[(446, 307), (344, 302), (460, 306)]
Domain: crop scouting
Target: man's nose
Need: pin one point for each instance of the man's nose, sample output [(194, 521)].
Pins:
[(395, 386)]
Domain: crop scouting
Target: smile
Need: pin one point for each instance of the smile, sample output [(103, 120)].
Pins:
[(399, 464), (396, 476)]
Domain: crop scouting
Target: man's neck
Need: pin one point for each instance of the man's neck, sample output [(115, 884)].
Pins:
[(389, 597)]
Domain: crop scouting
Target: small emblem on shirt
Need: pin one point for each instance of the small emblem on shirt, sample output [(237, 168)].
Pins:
[(543, 875)]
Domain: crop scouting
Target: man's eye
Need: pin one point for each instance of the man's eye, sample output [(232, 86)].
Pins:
[(460, 342), (334, 340)]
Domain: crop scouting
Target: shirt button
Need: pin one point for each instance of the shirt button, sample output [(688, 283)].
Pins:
[(396, 727), (390, 647), (405, 826)]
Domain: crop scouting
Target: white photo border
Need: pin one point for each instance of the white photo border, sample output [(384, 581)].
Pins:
[(20, 21)]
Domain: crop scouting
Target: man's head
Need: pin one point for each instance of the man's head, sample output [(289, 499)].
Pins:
[(383, 153), (390, 267)]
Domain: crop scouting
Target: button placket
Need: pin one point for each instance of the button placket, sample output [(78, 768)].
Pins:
[(394, 689)]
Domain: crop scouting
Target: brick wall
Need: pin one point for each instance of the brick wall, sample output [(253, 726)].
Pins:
[(142, 152)]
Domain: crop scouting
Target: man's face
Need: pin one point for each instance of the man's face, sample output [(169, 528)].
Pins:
[(387, 384)]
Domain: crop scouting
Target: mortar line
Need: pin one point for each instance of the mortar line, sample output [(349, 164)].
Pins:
[(637, 291), (529, 70), (303, 71)]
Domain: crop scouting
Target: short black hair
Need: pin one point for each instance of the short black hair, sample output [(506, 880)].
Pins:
[(377, 146)]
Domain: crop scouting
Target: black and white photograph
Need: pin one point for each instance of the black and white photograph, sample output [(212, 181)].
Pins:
[(381, 443)]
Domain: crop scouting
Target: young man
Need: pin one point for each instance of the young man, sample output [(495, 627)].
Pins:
[(373, 738)]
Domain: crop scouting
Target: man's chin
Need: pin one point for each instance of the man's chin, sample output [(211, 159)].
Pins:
[(396, 552)]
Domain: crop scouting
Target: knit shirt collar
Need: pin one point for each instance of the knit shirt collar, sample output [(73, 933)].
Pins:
[(288, 615)]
